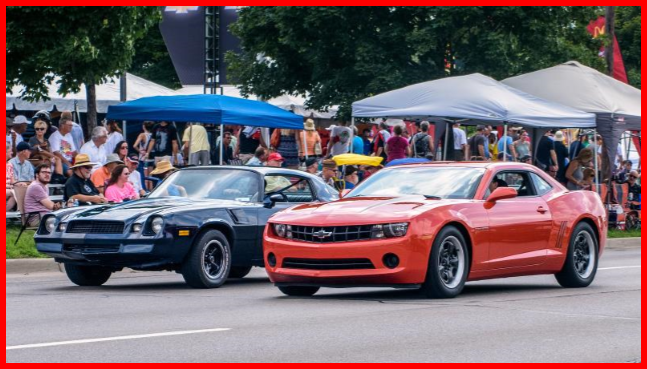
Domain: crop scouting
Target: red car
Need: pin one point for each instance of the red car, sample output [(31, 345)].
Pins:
[(436, 227)]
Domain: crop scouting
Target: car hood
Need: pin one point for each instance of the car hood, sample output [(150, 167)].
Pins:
[(359, 210), (146, 207)]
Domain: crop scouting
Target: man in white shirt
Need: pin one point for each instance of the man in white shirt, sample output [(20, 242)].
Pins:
[(77, 131), (460, 144), (135, 177), (95, 148), (62, 144), (340, 138)]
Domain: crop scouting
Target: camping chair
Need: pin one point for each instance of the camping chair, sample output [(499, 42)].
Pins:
[(25, 219)]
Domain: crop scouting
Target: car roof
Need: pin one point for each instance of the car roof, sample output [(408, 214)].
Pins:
[(468, 164)]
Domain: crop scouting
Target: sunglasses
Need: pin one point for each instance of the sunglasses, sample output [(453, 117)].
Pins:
[(123, 148), (633, 177), (40, 129)]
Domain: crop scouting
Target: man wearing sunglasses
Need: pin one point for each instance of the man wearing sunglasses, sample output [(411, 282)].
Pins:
[(37, 199), (634, 187)]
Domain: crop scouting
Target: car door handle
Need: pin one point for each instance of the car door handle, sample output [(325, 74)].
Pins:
[(542, 210)]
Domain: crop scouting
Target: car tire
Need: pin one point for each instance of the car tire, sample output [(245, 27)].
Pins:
[(239, 272), (581, 264), (87, 276), (209, 261), (299, 291), (448, 265)]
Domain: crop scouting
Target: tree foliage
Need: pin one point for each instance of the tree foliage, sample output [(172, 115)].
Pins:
[(72, 45), (338, 55), (628, 34)]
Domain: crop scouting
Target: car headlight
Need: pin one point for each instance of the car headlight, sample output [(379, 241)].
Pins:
[(389, 230), (157, 225), (50, 224), (280, 230), (62, 227), (137, 228)]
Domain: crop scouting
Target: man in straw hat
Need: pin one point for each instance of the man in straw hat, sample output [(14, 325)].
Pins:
[(163, 170), (79, 187)]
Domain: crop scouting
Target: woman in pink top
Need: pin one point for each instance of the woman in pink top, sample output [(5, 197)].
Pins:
[(397, 147), (119, 189)]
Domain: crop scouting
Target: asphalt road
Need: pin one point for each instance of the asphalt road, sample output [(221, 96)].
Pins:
[(154, 317)]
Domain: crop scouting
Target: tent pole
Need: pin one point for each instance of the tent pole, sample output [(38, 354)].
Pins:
[(352, 136), (445, 148), (595, 158), (222, 141), (188, 160), (505, 142)]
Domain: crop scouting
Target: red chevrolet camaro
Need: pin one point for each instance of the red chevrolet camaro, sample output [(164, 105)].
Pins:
[(436, 227)]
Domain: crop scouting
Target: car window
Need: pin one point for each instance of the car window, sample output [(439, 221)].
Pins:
[(520, 181), (292, 188), (541, 185), (234, 185)]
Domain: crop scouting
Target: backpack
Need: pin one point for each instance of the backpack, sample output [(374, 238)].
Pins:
[(421, 145)]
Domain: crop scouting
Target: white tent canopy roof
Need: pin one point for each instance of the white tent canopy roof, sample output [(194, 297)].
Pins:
[(475, 97), (107, 94), (295, 104), (580, 87)]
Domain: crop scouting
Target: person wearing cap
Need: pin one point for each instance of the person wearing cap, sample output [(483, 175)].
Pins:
[(329, 172), (562, 157), (162, 171), (79, 187), (312, 166), (22, 168), (351, 177), (18, 128), (96, 148), (62, 143), (259, 159), (275, 160), (101, 176), (135, 177), (309, 141)]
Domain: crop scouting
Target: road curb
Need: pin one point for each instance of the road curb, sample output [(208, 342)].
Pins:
[(38, 266)]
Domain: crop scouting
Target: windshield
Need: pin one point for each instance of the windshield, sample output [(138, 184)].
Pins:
[(234, 185), (441, 182)]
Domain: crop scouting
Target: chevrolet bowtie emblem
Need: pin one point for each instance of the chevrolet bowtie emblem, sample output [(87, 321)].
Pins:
[(322, 234)]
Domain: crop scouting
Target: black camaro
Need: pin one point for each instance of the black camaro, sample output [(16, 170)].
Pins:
[(206, 223)]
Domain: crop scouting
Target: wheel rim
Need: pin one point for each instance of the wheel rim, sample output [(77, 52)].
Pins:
[(451, 262), (213, 260), (584, 254)]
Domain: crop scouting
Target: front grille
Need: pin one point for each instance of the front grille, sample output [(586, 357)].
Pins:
[(92, 249), (328, 264), (91, 227), (331, 234)]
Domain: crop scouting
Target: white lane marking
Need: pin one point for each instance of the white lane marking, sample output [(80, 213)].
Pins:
[(109, 339), (625, 267)]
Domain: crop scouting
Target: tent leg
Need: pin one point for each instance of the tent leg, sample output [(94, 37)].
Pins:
[(352, 136), (597, 164), (505, 142), (445, 148), (222, 141)]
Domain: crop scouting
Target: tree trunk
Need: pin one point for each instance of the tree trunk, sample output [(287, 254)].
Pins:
[(91, 116), (610, 22)]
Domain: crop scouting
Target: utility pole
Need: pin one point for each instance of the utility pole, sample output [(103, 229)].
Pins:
[(610, 25)]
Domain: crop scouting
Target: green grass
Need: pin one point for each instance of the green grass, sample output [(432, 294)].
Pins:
[(623, 234), (26, 248)]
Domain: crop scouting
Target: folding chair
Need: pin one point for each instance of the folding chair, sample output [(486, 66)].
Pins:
[(25, 219)]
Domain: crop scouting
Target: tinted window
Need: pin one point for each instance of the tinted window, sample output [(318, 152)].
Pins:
[(520, 181), (235, 185), (293, 189)]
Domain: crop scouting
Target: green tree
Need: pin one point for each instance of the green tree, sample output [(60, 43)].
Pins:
[(152, 60), (341, 54), (628, 19), (72, 45)]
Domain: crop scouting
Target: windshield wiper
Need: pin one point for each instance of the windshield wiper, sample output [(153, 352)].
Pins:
[(430, 197)]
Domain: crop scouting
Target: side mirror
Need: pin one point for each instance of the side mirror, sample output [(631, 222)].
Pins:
[(271, 200), (502, 193), (344, 193)]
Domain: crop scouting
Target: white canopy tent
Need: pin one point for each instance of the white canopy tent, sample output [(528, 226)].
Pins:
[(472, 99), (107, 94), (615, 104)]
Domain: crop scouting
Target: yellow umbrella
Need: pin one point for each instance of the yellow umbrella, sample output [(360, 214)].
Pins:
[(355, 159)]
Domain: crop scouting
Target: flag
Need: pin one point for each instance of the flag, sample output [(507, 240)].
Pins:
[(597, 29)]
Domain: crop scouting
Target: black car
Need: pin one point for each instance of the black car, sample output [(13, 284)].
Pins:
[(206, 223)]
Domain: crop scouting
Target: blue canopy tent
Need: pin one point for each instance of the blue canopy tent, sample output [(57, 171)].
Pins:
[(209, 109), (213, 109)]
